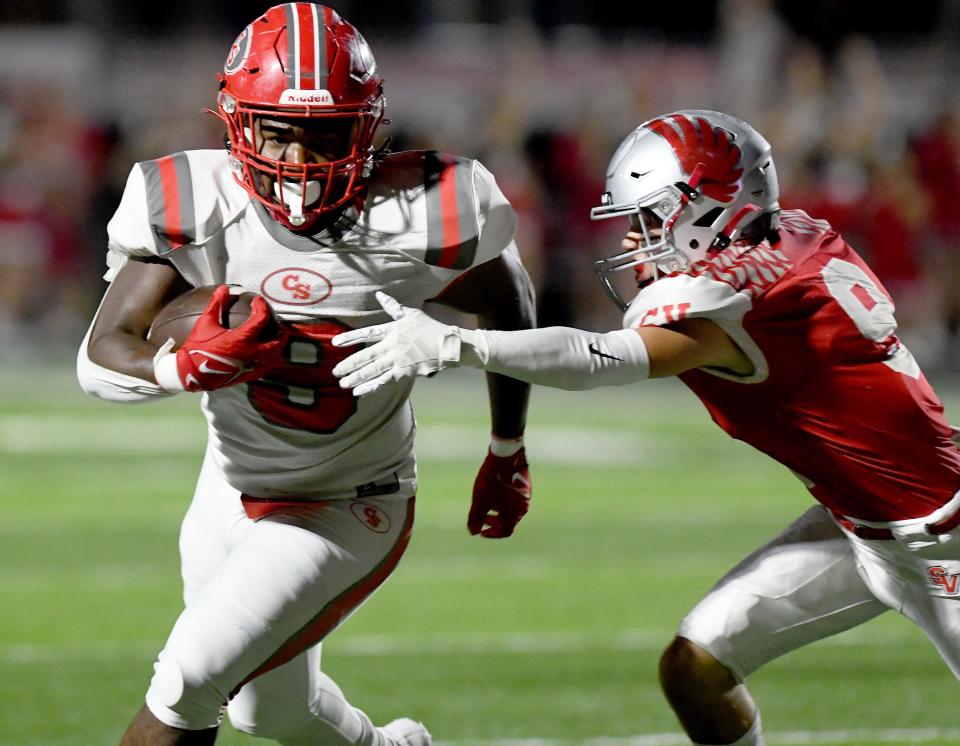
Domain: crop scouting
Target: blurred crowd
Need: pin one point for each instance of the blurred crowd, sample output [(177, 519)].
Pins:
[(864, 127)]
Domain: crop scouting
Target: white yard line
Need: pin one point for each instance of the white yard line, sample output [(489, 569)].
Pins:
[(172, 436), (516, 643), (853, 735), (58, 434)]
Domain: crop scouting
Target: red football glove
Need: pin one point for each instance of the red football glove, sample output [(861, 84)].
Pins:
[(213, 356), (501, 495)]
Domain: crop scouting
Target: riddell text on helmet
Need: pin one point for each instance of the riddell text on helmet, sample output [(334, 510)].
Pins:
[(295, 96)]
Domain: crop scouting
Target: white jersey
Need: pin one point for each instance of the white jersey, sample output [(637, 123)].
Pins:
[(427, 218)]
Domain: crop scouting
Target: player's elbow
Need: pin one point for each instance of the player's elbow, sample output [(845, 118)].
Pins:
[(112, 386), (87, 375), (586, 383), (589, 383), (579, 381)]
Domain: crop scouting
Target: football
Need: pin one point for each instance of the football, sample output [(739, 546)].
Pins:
[(177, 318)]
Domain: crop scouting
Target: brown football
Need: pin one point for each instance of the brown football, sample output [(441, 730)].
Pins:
[(177, 318)]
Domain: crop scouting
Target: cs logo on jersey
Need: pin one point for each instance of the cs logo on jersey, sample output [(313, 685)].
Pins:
[(373, 518), (295, 286)]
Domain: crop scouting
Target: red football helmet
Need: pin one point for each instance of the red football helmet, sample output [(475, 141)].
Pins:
[(301, 63)]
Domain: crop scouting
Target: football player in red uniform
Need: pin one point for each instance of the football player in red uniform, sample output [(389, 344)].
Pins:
[(304, 503), (789, 340)]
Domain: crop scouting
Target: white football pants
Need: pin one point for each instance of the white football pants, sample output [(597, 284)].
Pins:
[(259, 597), (815, 580)]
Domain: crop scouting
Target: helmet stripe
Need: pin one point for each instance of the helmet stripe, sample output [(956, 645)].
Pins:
[(293, 46), (323, 69), (319, 63), (667, 132), (306, 45), (707, 134), (689, 132), (697, 141)]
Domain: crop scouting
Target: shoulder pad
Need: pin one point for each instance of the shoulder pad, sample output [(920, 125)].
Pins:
[(443, 191), (682, 296), (797, 221), (749, 270), (174, 201)]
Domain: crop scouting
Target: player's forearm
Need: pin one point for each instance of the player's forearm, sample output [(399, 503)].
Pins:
[(559, 357), (416, 345), (509, 397), (116, 361), (508, 405), (123, 353)]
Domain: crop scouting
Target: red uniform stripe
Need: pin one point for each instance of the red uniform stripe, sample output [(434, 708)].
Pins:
[(450, 217), (335, 611), (171, 200), (258, 507)]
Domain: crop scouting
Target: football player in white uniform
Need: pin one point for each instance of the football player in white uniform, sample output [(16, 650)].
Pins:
[(304, 503), (788, 338)]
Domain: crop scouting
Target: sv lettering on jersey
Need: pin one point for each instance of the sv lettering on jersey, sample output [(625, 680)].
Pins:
[(665, 314), (940, 577)]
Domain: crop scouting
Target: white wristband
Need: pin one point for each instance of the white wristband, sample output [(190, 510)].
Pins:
[(473, 348), (504, 447), (165, 369)]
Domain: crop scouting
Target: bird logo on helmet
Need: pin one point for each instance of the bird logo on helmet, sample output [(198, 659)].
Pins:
[(692, 183), (301, 63)]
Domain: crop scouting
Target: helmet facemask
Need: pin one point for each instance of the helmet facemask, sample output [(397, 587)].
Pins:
[(297, 194), (648, 217), (654, 216)]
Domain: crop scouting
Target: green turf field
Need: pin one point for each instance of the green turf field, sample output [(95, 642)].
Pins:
[(550, 637)]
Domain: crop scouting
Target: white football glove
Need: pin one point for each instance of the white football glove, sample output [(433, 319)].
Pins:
[(412, 345)]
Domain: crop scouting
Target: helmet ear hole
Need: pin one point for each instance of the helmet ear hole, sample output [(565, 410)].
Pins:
[(708, 218)]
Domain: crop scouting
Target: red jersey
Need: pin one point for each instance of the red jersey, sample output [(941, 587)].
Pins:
[(834, 395)]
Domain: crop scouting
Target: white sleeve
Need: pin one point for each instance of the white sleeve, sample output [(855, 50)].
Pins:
[(128, 231), (498, 219), (560, 357), (107, 384)]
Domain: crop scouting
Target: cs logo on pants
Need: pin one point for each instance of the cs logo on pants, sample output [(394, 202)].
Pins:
[(373, 518)]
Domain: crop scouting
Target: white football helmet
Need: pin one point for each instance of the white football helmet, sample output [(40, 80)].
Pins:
[(702, 177)]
